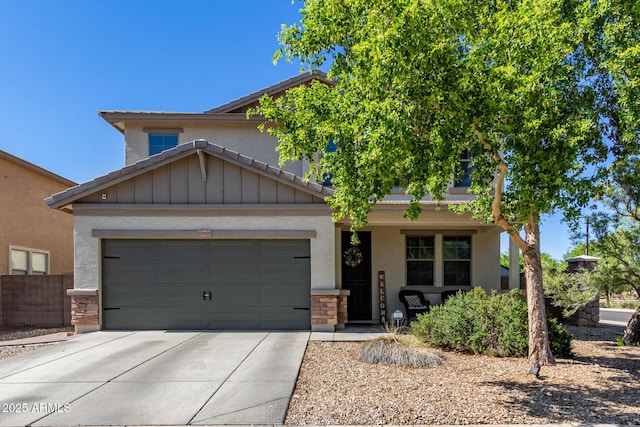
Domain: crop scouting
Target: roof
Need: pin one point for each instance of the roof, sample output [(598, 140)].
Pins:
[(70, 195), (234, 111), (580, 258), (36, 169), (271, 90)]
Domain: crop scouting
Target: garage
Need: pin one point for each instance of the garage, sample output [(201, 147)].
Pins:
[(206, 284)]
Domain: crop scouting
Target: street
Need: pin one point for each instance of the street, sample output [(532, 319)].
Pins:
[(615, 316)]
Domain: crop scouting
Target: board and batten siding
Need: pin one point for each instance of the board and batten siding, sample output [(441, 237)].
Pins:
[(180, 182)]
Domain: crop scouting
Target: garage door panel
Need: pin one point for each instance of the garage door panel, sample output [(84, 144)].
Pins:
[(131, 250), (293, 297), (126, 271), (152, 318), (181, 249), (254, 284), (187, 272)]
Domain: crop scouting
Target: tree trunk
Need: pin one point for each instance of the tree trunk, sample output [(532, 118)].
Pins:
[(539, 346), (632, 333)]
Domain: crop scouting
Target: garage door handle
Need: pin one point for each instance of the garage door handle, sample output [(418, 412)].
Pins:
[(206, 295), (301, 308), (111, 308)]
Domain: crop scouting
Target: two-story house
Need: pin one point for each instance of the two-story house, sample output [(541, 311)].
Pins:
[(201, 230), (33, 238)]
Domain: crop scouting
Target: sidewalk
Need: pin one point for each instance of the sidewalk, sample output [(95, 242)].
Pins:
[(40, 339)]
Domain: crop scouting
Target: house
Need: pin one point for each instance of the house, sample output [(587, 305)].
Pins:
[(34, 239), (200, 230)]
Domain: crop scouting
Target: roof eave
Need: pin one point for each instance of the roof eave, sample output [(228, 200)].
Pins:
[(65, 198), (278, 87), (36, 169), (118, 119)]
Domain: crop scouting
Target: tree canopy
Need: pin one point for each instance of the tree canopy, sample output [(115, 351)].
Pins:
[(531, 89)]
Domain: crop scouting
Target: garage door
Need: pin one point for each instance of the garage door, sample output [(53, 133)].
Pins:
[(206, 284)]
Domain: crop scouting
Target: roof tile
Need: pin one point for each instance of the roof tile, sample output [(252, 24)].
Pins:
[(74, 193)]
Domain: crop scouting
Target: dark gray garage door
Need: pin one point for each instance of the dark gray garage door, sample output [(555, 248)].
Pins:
[(206, 284)]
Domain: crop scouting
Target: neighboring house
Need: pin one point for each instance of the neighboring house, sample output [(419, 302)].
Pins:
[(33, 238), (199, 230)]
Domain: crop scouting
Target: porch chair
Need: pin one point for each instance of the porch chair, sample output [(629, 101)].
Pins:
[(414, 303)]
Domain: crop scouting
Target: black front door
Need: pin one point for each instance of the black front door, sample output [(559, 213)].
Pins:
[(356, 275)]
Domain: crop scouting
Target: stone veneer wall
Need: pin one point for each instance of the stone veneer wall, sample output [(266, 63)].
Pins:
[(342, 311), (85, 311), (589, 315), (328, 309)]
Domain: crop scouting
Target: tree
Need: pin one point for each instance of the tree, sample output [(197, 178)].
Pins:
[(521, 85), (619, 268), (581, 249), (618, 231)]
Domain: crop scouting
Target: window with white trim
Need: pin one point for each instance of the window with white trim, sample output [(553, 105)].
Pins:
[(28, 261)]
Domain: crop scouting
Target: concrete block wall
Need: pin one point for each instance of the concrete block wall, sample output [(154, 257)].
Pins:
[(37, 301)]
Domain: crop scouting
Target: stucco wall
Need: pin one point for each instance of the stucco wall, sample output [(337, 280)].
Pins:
[(87, 248), (27, 222), (243, 138), (388, 255)]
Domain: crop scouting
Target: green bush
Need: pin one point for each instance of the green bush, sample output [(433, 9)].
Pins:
[(495, 324), (559, 337)]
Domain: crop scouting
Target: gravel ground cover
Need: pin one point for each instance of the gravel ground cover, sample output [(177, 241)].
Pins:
[(7, 334), (600, 384)]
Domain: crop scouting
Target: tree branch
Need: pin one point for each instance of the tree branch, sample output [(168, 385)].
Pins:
[(496, 211)]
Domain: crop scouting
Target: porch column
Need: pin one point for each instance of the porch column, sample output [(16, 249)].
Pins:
[(85, 310), (438, 264), (328, 309), (514, 265)]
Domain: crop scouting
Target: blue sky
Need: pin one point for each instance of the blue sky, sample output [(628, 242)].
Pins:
[(63, 61)]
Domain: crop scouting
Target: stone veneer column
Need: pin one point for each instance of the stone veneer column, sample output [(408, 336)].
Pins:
[(343, 316), (589, 315), (85, 310), (328, 309)]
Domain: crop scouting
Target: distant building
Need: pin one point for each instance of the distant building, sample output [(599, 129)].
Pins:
[(33, 238)]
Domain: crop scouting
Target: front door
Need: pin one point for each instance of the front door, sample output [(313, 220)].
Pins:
[(356, 275)]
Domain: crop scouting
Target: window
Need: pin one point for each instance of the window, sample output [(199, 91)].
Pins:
[(465, 169), (28, 261), (456, 253), (331, 148), (158, 142), (420, 257), (19, 262)]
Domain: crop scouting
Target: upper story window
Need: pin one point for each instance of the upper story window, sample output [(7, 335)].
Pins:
[(331, 148), (420, 259), (158, 142), (466, 168), (28, 261)]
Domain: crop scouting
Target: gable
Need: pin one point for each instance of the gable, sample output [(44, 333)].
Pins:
[(182, 182), (197, 172)]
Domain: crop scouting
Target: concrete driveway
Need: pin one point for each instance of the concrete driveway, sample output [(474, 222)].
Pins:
[(154, 378)]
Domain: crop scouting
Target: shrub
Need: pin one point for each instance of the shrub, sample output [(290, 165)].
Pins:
[(559, 337), (495, 324), (398, 350)]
